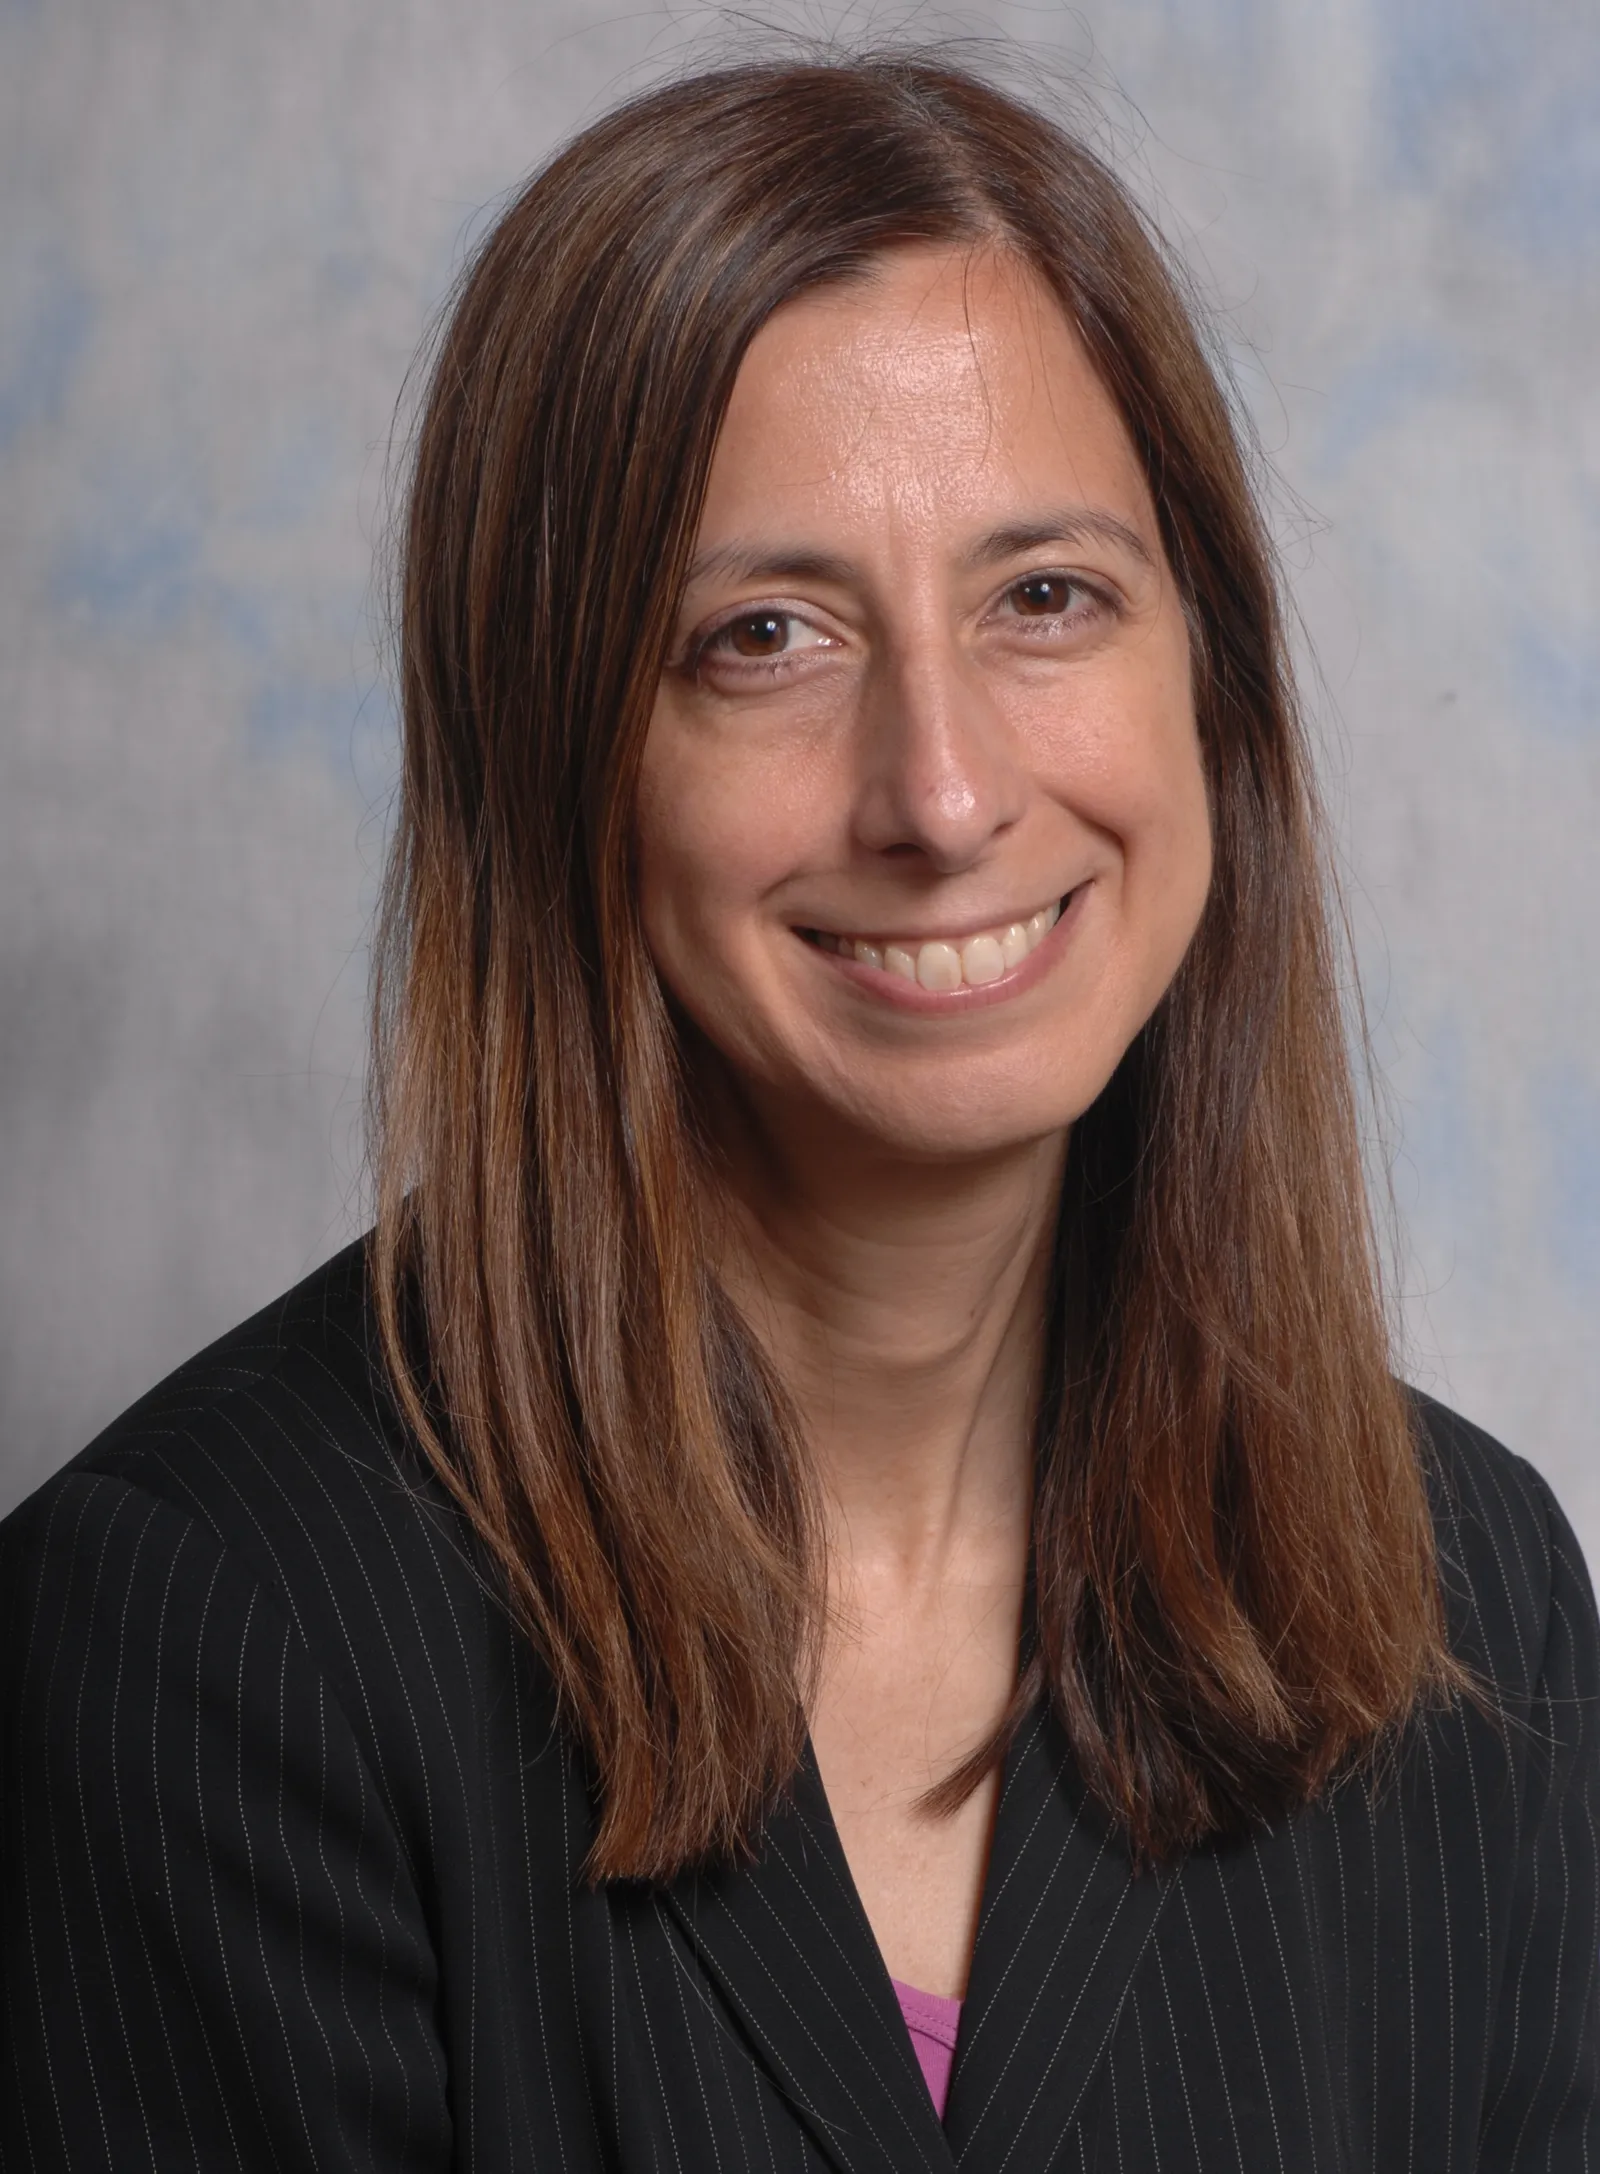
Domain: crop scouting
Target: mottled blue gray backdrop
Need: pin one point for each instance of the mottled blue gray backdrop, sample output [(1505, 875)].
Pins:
[(223, 229)]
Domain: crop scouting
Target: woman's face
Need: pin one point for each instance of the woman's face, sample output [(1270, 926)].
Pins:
[(922, 826)]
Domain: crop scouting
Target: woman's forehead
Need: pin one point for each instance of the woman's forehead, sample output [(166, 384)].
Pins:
[(945, 386)]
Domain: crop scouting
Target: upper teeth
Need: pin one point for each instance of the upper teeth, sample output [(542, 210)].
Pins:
[(971, 963)]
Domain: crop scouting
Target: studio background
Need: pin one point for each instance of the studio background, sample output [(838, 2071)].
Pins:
[(223, 231)]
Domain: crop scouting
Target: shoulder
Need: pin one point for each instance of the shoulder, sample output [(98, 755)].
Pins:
[(280, 1425), (1513, 1573), (273, 1462)]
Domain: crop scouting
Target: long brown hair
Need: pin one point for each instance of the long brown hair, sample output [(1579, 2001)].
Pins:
[(1234, 1576)]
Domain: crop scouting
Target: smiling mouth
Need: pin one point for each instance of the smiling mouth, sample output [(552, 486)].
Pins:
[(942, 964)]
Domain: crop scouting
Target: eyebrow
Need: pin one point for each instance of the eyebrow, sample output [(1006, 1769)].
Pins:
[(738, 561), (777, 562), (1061, 524)]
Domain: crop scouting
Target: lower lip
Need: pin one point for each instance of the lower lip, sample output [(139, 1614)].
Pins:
[(910, 996)]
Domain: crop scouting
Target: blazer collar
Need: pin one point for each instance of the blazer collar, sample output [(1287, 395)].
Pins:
[(789, 1945), (1063, 1924)]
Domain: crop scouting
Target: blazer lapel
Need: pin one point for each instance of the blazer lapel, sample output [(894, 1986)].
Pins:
[(1063, 1925), (788, 1944)]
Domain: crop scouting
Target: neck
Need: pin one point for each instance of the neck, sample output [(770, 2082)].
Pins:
[(902, 1304)]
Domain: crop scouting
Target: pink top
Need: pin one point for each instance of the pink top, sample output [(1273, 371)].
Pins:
[(933, 2024)]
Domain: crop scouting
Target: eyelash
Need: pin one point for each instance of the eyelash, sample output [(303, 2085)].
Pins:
[(1097, 597), (705, 644)]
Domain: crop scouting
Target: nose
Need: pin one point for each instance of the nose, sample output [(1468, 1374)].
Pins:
[(940, 771)]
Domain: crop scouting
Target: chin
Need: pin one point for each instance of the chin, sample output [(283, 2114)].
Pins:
[(966, 1121)]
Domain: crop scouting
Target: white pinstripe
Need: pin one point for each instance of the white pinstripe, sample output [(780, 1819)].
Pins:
[(255, 1668)]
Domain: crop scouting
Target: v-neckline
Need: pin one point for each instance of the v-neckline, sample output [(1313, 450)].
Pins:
[(1062, 1925)]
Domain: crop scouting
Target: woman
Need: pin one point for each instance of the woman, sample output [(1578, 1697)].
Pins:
[(853, 1506)]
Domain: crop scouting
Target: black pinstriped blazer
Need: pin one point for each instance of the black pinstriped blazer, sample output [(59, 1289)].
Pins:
[(289, 1856)]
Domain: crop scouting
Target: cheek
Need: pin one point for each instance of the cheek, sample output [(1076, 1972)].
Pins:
[(1133, 772), (1169, 807), (1177, 800), (715, 837), (1183, 870), (1128, 762), (1168, 862)]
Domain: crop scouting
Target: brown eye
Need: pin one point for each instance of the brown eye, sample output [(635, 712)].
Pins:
[(1042, 595), (766, 635), (763, 634)]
